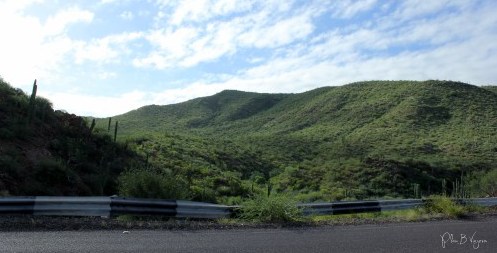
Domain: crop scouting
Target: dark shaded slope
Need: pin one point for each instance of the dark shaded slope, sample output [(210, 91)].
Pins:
[(199, 114), (55, 153)]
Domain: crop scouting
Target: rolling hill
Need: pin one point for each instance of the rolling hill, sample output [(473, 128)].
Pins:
[(362, 139), (398, 118)]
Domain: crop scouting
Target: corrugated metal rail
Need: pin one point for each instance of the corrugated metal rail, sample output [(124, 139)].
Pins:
[(113, 206)]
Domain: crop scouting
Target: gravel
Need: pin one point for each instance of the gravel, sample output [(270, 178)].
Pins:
[(58, 223)]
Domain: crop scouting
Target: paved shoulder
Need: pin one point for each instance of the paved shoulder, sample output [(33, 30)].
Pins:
[(440, 236)]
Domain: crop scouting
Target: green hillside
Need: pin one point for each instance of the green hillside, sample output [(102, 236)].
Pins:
[(394, 119), (364, 139), (47, 152)]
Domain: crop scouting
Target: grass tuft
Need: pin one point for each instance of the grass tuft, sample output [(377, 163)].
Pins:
[(275, 209), (436, 204)]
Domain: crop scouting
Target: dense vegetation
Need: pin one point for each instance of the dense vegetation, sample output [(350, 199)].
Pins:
[(362, 140), (47, 152)]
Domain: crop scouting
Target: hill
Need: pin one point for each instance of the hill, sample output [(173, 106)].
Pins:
[(398, 118), (362, 139), (47, 152)]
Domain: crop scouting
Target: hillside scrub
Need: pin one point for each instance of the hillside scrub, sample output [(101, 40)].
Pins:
[(47, 152), (150, 184), (273, 208), (483, 183), (363, 140), (437, 204), (377, 139)]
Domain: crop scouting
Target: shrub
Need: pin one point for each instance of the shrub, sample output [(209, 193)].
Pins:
[(6, 134), (50, 177), (275, 208), (150, 184), (484, 184), (443, 205)]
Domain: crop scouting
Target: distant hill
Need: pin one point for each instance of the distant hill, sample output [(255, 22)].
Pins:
[(385, 118), (355, 134)]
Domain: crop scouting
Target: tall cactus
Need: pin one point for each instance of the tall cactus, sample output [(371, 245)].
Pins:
[(32, 102), (108, 127), (93, 123), (115, 131)]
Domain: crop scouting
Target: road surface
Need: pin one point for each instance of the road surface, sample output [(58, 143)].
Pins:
[(439, 236)]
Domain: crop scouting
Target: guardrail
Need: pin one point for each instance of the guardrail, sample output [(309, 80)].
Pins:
[(113, 206), (347, 207)]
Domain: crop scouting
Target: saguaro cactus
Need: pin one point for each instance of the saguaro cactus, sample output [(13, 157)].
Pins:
[(32, 102), (93, 123), (108, 127), (115, 131)]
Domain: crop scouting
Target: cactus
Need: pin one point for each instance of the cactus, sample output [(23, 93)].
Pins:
[(444, 187), (108, 127), (93, 123), (32, 102), (269, 188), (115, 131), (416, 190)]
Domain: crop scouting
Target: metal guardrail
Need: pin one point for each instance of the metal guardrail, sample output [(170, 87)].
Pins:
[(113, 206), (72, 206), (482, 201), (17, 205), (379, 205)]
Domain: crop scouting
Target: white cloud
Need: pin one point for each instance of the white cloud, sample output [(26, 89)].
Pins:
[(56, 24), (410, 9), (32, 49), (348, 9), (271, 26), (108, 1), (98, 106), (106, 49), (127, 15), (203, 10), (280, 33), (107, 75), (17, 5), (172, 46)]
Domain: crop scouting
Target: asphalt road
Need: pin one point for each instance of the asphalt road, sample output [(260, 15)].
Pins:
[(467, 236)]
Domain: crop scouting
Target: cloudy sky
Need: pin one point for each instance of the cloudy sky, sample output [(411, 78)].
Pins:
[(106, 57)]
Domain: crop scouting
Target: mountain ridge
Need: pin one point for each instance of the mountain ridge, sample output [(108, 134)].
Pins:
[(232, 109), (379, 112), (366, 139)]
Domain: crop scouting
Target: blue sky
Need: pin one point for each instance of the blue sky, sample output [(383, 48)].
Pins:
[(107, 57)]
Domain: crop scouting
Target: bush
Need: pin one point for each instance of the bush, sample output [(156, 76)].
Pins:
[(50, 177), (276, 208), (6, 134), (484, 184), (443, 205), (149, 184)]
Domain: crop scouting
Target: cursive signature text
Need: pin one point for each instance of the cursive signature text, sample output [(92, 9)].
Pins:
[(462, 239)]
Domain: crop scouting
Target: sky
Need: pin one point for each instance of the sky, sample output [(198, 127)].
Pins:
[(106, 57)]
